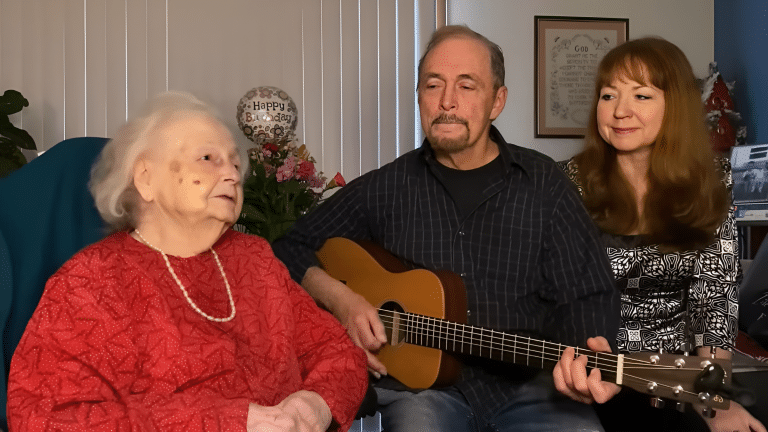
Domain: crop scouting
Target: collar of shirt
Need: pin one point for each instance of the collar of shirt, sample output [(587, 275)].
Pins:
[(510, 154)]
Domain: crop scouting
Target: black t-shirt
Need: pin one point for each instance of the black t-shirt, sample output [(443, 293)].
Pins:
[(465, 186)]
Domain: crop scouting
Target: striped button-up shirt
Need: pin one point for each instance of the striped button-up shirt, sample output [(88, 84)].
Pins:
[(529, 254)]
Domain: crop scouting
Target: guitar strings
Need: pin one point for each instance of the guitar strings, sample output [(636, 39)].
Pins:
[(550, 351), (548, 355), (490, 341)]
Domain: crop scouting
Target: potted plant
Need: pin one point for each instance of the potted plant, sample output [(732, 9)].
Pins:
[(12, 139)]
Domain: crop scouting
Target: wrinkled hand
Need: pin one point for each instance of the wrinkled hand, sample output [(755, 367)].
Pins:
[(734, 419), (571, 379), (365, 329), (303, 411)]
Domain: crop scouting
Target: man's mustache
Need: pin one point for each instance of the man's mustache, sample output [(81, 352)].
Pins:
[(449, 119)]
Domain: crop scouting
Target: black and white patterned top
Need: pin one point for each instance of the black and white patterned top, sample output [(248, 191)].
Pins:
[(654, 287)]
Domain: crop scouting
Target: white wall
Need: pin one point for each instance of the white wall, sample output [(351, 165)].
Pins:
[(687, 23)]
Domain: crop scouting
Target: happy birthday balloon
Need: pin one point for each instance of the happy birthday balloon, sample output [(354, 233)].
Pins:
[(266, 114)]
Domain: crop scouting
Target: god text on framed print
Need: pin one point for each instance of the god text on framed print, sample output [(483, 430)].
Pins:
[(567, 51)]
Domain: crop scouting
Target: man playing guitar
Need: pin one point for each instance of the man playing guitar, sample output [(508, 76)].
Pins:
[(502, 217)]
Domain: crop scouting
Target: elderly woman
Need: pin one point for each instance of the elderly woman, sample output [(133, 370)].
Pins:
[(174, 321)]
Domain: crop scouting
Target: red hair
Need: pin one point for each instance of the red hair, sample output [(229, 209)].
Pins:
[(686, 200)]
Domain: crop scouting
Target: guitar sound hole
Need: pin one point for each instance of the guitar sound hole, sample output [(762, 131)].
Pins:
[(391, 316)]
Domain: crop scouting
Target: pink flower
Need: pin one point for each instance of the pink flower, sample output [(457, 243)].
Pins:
[(306, 170), (316, 182), (290, 163), (285, 172)]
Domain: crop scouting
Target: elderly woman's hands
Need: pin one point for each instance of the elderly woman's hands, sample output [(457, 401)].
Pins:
[(303, 411)]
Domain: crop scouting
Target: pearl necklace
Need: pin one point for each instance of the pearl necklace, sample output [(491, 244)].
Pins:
[(183, 290)]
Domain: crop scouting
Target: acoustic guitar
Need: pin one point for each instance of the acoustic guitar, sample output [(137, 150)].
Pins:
[(424, 314)]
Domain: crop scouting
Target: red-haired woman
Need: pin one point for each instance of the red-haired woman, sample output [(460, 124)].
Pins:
[(649, 179)]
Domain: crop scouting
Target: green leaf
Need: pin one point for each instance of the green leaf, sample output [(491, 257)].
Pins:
[(251, 213), (258, 170), (11, 158), (12, 102)]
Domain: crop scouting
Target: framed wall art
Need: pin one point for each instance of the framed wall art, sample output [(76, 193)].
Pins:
[(567, 52)]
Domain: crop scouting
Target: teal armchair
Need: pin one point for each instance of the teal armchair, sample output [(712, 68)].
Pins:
[(46, 215)]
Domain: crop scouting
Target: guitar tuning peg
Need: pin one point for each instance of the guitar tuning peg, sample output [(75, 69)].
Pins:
[(706, 412), (657, 402), (687, 347)]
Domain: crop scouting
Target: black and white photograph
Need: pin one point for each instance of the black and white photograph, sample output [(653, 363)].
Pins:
[(750, 173)]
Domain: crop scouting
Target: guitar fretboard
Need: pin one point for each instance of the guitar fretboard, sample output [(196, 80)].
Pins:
[(487, 343)]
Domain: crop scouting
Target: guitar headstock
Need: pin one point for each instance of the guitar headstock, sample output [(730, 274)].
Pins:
[(678, 378)]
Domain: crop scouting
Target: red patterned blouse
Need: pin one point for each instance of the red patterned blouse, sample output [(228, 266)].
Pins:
[(114, 345)]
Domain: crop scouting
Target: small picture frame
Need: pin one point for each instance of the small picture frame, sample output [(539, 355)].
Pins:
[(567, 52), (749, 164)]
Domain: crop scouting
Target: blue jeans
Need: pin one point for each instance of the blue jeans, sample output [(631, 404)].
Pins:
[(536, 406)]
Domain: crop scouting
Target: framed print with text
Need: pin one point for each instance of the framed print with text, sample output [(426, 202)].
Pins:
[(567, 52)]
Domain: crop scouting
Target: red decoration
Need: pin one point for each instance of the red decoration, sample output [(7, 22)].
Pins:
[(723, 136), (716, 95), (338, 180), (719, 98)]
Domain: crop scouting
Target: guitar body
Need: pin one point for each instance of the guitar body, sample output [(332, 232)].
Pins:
[(384, 281)]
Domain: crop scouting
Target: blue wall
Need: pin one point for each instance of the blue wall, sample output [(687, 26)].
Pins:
[(741, 53)]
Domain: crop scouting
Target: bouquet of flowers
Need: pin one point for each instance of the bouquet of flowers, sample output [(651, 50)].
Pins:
[(284, 185)]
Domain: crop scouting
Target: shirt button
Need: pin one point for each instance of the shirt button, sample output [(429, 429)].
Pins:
[(469, 312), (463, 274), (461, 233)]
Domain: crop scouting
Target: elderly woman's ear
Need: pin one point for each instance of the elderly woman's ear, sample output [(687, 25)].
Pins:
[(141, 180)]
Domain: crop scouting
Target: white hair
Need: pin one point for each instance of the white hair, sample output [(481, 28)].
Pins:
[(111, 184)]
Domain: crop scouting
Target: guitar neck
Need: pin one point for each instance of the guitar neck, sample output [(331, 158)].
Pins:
[(486, 343)]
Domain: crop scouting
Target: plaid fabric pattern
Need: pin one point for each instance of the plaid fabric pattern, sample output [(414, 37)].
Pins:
[(529, 254)]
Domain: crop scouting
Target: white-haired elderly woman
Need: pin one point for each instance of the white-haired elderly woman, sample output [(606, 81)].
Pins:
[(175, 321)]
